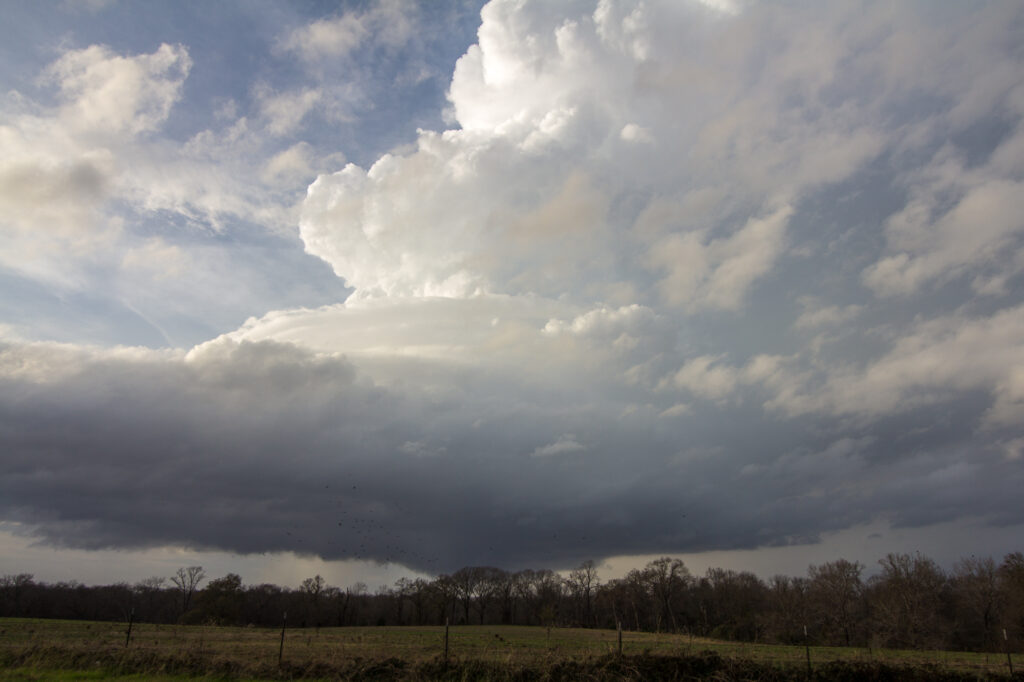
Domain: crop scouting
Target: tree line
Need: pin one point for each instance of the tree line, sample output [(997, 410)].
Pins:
[(911, 602)]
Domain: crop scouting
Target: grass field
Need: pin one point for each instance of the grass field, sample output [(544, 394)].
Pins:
[(65, 650)]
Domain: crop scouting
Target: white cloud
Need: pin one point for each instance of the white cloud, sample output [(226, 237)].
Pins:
[(631, 132), (550, 106), (548, 123), (106, 94), (95, 199), (984, 225), (485, 329), (718, 274), (564, 444), (710, 378), (815, 315), (285, 111), (88, 5), (705, 377), (1014, 449), (677, 410), (725, 6), (389, 21), (420, 449), (156, 256), (61, 166), (48, 201), (962, 217), (291, 165), (327, 37), (933, 362), (606, 322)]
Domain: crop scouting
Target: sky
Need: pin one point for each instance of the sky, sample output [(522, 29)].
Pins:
[(379, 289)]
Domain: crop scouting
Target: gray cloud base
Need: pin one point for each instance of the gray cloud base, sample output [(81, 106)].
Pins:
[(268, 448)]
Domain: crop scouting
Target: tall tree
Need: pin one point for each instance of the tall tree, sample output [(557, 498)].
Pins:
[(583, 582), (222, 601), (14, 593), (976, 594), (187, 581), (836, 593), (787, 609), (153, 598), (907, 600), (1011, 589), (311, 589), (466, 582), (666, 579)]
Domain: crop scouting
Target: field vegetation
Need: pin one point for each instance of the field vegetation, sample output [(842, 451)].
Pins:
[(910, 603), (34, 649), (909, 620)]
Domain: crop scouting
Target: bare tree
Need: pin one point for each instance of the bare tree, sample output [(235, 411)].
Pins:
[(583, 582), (150, 592), (222, 601), (489, 588), (786, 612), (13, 592), (312, 589), (469, 585), (443, 598), (504, 591), (638, 595), (975, 584), (418, 593), (906, 602), (187, 581), (836, 596), (731, 603), (313, 586), (542, 591), (1011, 587), (666, 578)]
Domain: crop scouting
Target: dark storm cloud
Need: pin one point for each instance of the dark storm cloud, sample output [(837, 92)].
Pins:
[(263, 447)]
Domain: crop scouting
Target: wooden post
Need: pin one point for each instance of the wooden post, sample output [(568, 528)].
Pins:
[(280, 651), (807, 648), (1006, 644), (446, 642), (131, 617), (619, 625)]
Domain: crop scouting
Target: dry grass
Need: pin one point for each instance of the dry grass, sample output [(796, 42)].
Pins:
[(412, 652)]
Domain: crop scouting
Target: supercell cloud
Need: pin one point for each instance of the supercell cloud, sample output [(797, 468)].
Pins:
[(672, 277)]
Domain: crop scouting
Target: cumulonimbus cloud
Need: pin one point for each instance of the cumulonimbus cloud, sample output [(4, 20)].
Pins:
[(676, 279)]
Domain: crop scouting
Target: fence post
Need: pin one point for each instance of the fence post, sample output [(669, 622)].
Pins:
[(619, 625), (131, 616), (1006, 645), (807, 648), (445, 641), (280, 651)]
